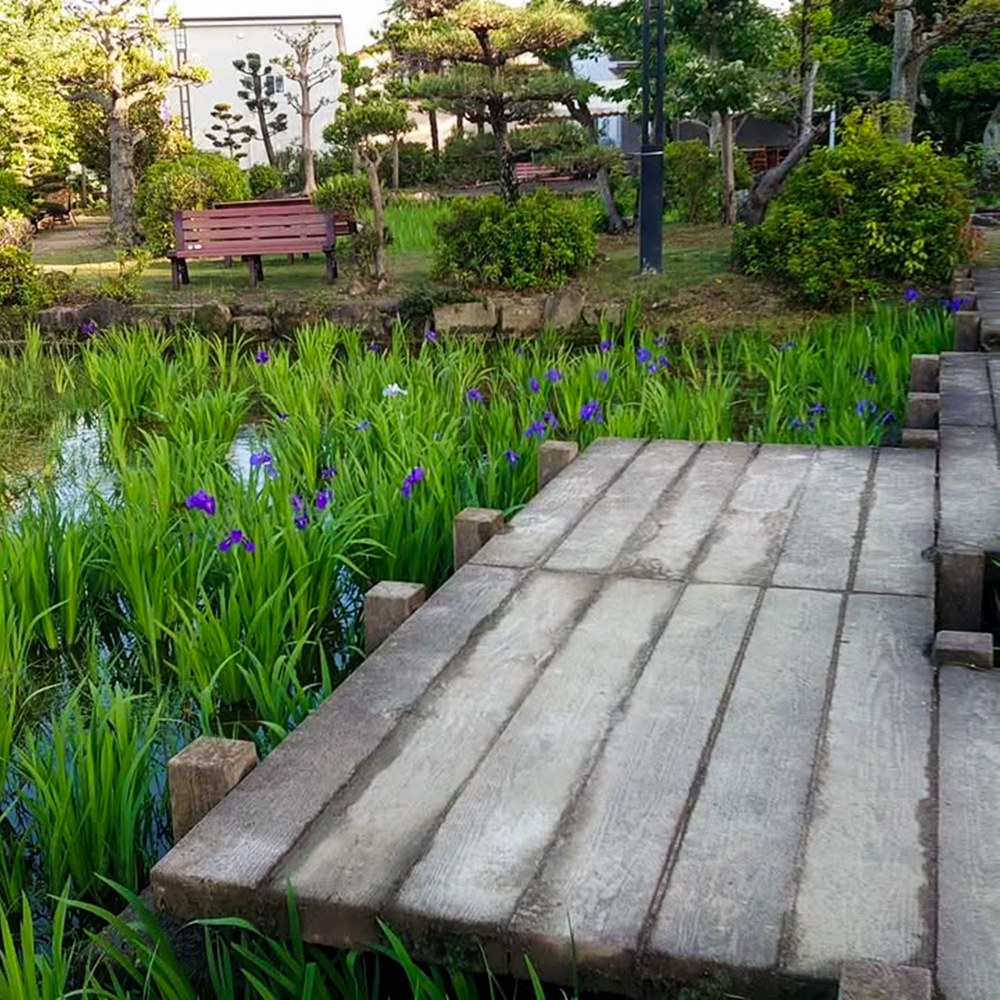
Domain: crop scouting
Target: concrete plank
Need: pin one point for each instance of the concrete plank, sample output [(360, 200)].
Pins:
[(993, 367), (365, 842), (489, 846), (968, 953), (601, 874), (730, 886), (671, 536), (219, 866), (969, 483), (966, 400), (556, 510), (746, 541), (895, 553), (817, 552), (865, 889), (594, 544)]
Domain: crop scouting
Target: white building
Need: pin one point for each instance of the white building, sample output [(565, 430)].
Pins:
[(215, 42)]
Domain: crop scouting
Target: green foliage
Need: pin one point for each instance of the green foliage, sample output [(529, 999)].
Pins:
[(21, 281), (862, 218), (538, 242), (126, 285), (417, 166), (691, 181), (227, 133), (344, 193), (262, 178), (194, 181), (13, 194), (15, 229)]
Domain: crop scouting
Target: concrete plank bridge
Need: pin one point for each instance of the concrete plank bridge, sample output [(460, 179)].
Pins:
[(681, 714)]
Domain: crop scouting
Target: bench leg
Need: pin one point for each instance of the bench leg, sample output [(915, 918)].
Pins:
[(185, 277), (305, 256), (252, 265), (227, 261), (175, 275), (260, 268), (291, 258), (331, 266)]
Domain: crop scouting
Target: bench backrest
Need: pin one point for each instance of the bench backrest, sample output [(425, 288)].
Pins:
[(257, 228), (346, 225)]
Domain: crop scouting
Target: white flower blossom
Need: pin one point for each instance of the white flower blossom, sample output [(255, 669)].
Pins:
[(393, 390)]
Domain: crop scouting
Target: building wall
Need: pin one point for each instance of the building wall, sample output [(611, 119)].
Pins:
[(214, 44)]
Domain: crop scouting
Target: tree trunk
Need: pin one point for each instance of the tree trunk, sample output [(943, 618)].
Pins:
[(991, 142), (395, 165), (580, 112), (805, 68), (906, 65), (460, 123), (715, 130), (265, 133), (432, 121), (769, 183), (308, 163), (505, 153), (381, 272), (728, 171), (122, 176)]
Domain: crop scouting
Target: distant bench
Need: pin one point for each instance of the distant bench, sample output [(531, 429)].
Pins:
[(540, 173), (252, 229)]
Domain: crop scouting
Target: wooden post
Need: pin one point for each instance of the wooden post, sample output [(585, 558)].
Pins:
[(387, 605)]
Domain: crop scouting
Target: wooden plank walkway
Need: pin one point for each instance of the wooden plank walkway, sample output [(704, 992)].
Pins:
[(681, 709)]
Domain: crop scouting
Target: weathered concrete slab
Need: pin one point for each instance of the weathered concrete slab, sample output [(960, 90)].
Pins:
[(727, 896), (969, 488), (555, 511), (249, 832), (485, 854), (993, 368), (594, 544), (879, 981), (867, 878), (363, 844), (899, 534), (967, 649), (817, 551), (966, 400), (678, 526), (746, 541), (968, 952), (603, 872)]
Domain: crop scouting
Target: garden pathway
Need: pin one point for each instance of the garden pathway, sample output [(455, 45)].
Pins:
[(680, 714)]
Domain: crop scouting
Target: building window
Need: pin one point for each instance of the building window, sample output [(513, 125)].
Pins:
[(274, 83)]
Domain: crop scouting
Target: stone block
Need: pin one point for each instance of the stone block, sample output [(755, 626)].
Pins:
[(914, 437), (61, 318), (611, 313), (962, 272), (922, 410), (521, 315), (387, 605), (202, 775), (213, 318), (989, 334), (451, 317), (958, 589), (563, 308), (924, 371), (966, 330), (553, 457), (960, 285), (863, 980), (474, 527), (253, 326), (963, 649)]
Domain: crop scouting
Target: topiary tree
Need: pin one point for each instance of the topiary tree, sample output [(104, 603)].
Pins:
[(369, 125), (861, 218), (481, 44), (259, 102), (227, 133), (120, 63)]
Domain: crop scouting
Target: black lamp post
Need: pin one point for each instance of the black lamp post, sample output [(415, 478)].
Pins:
[(651, 175)]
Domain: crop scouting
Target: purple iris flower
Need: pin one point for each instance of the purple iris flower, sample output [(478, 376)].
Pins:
[(431, 336), (643, 355), (330, 472), (512, 456), (415, 476), (537, 429), (374, 348), (795, 424), (297, 504), (257, 459), (534, 385), (887, 418), (363, 426), (323, 499), (664, 362), (870, 377), (554, 375), (956, 304), (474, 396), (591, 411), (89, 328), (660, 341), (262, 357), (817, 408), (302, 522), (606, 346), (550, 418), (652, 367), (282, 416), (865, 408), (201, 501), (601, 375), (236, 537), (911, 295), (787, 345)]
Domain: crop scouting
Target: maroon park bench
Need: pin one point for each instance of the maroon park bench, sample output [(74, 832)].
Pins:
[(251, 230), (540, 173)]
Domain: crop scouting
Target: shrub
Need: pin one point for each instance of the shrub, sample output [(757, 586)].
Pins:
[(344, 193), (691, 181), (469, 159), (861, 218), (22, 283), (262, 177), (15, 229), (416, 166), (195, 181), (538, 242), (13, 194)]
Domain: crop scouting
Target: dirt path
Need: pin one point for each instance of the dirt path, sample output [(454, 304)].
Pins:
[(71, 246)]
